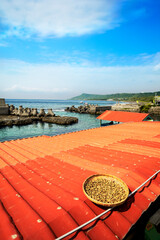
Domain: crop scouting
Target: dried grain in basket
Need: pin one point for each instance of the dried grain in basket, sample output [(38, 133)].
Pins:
[(106, 190)]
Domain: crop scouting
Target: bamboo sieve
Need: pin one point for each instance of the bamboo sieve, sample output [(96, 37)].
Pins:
[(106, 190)]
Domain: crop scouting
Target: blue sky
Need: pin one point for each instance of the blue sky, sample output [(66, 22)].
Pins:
[(59, 49)]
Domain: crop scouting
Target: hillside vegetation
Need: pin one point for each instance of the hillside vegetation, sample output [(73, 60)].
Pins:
[(146, 97)]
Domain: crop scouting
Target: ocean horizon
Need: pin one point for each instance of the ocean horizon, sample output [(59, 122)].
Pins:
[(85, 121)]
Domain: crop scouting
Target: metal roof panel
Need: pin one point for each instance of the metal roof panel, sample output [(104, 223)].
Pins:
[(41, 180), (121, 116)]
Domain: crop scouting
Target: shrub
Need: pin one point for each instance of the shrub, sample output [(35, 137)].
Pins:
[(145, 108)]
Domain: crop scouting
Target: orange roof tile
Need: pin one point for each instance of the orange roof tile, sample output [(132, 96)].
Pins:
[(41, 181), (120, 116)]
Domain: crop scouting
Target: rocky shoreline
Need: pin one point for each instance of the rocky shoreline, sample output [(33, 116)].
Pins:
[(24, 116), (88, 108), (152, 110)]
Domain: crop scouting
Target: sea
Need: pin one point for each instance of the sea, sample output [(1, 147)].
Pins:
[(85, 121)]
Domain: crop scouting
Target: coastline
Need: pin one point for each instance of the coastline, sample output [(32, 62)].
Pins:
[(154, 111), (39, 128)]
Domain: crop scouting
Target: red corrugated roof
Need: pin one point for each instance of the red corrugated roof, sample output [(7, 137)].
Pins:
[(41, 181), (120, 116)]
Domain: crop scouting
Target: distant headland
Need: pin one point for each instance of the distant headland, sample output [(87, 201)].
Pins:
[(148, 102), (129, 97)]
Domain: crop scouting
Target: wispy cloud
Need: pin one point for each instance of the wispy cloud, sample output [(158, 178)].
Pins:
[(54, 18), (17, 88), (66, 80), (2, 44), (84, 58), (157, 67)]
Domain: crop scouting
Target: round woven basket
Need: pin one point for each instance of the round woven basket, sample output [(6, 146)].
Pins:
[(117, 181)]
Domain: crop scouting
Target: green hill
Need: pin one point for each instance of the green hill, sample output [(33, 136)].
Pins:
[(147, 97)]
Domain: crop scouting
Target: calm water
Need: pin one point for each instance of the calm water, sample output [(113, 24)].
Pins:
[(85, 121)]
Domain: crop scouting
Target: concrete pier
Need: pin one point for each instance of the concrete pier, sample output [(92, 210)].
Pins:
[(4, 109)]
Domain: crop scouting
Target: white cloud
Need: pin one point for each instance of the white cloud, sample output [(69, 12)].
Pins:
[(157, 67), (58, 18), (3, 44), (17, 88), (64, 81)]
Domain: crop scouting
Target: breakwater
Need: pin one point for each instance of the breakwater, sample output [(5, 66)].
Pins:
[(24, 116), (128, 107), (88, 108)]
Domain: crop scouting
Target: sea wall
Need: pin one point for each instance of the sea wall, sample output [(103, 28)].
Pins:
[(23, 116), (153, 110), (89, 108)]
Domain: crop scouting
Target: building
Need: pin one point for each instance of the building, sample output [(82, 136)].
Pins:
[(121, 116), (4, 109)]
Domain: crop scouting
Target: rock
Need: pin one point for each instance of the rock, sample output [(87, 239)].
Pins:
[(4, 123), (92, 110), (25, 113), (82, 109), (28, 110), (73, 109), (34, 112), (22, 121), (11, 109), (20, 110), (35, 118), (60, 120), (41, 113), (15, 111), (17, 121), (50, 113), (23, 116)]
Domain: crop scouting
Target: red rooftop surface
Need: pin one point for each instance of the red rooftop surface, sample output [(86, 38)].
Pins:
[(120, 116), (41, 179)]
